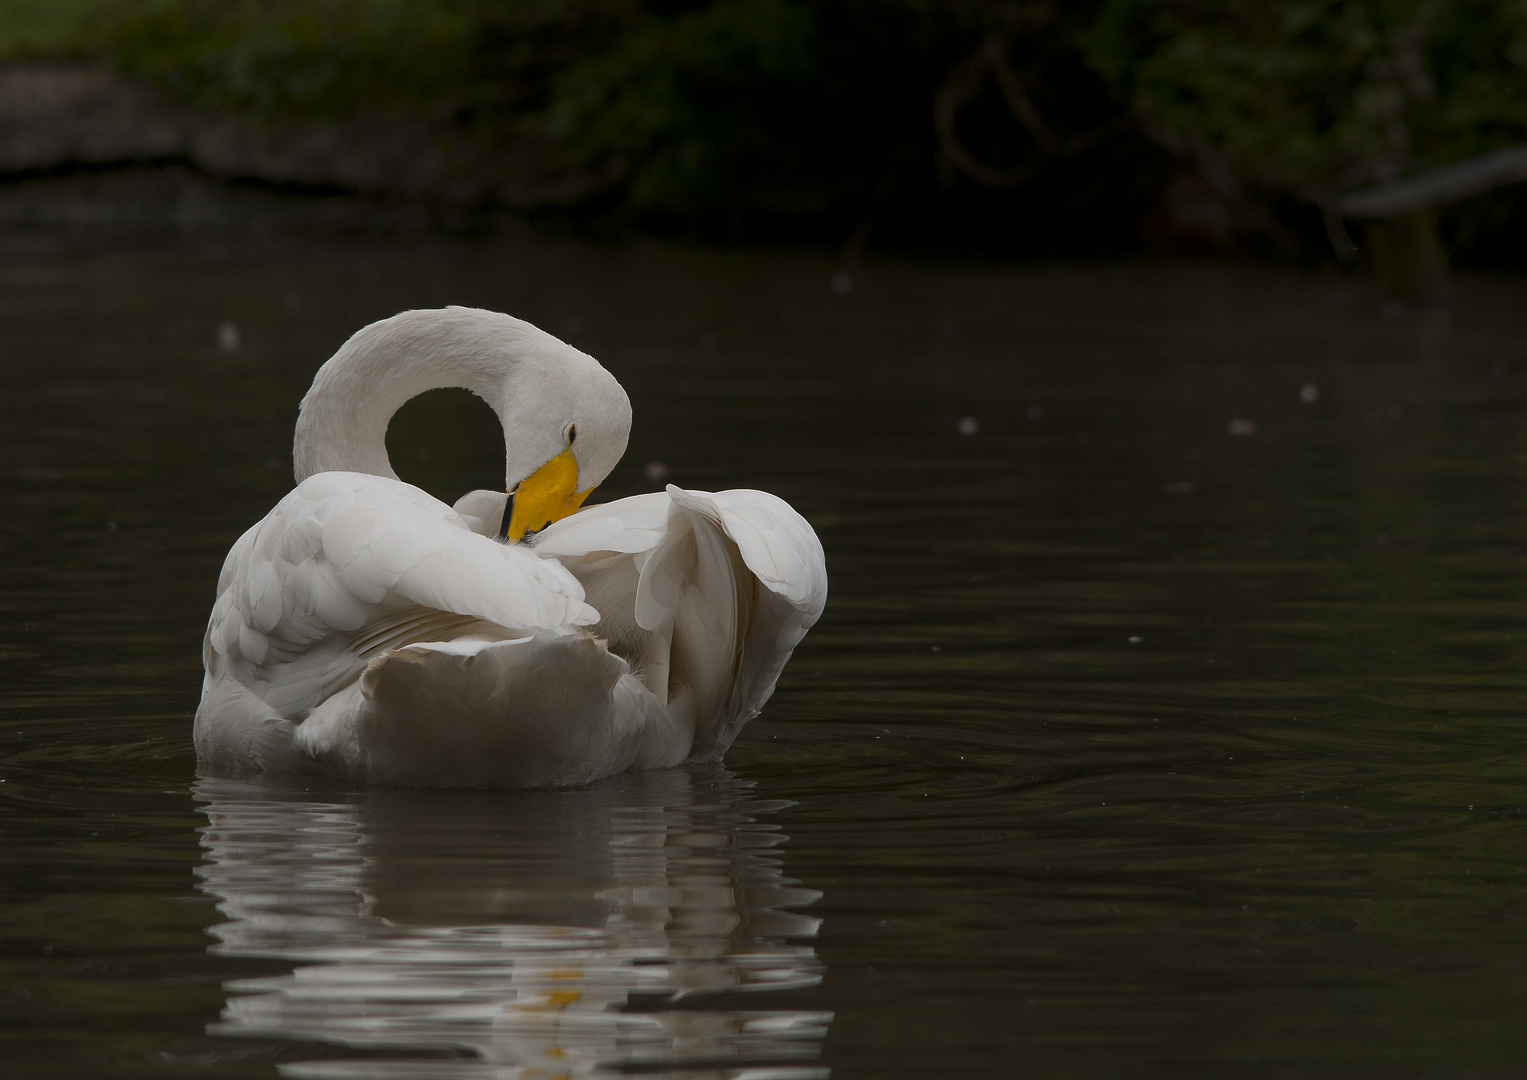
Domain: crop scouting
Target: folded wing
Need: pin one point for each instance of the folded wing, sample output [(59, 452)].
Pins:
[(704, 594), (349, 565)]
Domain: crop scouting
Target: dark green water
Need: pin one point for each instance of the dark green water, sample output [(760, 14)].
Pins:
[(1127, 747)]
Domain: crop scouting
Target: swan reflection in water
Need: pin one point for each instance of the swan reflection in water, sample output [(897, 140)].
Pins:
[(512, 936)]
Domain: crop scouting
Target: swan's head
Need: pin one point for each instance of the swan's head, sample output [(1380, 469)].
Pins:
[(565, 418), (566, 421)]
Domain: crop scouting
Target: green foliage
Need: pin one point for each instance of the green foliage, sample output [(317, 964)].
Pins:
[(679, 103), (51, 28), (303, 57), (1314, 96), (731, 107)]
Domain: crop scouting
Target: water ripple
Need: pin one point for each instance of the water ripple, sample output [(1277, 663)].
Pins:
[(625, 926)]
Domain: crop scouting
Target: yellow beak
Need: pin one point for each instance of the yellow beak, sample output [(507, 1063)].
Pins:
[(549, 494)]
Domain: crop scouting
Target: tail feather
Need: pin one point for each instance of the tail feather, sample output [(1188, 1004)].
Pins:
[(543, 711)]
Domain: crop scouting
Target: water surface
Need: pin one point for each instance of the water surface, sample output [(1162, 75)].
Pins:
[(1165, 719)]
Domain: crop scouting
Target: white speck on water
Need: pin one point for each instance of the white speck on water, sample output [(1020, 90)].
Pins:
[(1135, 639), (655, 470), (227, 336), (1309, 393), (111, 526), (968, 425), (841, 283), (1243, 427)]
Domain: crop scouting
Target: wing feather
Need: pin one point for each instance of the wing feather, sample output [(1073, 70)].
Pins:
[(705, 594), (629, 525), (778, 545), (348, 551)]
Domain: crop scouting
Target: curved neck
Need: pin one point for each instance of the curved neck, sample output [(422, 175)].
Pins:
[(342, 425)]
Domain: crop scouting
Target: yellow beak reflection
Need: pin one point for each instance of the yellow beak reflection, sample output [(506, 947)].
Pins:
[(549, 494)]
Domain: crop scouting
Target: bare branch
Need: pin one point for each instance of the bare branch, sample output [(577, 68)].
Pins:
[(963, 83)]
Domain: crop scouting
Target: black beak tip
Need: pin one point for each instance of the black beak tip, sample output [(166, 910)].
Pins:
[(503, 526)]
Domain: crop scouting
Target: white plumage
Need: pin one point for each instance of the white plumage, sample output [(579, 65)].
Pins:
[(367, 629)]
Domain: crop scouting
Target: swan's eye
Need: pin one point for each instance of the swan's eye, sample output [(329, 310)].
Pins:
[(572, 435)]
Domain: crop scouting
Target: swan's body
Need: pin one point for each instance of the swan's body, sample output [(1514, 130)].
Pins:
[(368, 629)]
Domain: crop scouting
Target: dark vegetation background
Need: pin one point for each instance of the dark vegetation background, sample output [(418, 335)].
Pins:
[(1013, 128)]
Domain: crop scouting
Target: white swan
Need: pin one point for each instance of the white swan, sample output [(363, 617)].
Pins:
[(367, 629)]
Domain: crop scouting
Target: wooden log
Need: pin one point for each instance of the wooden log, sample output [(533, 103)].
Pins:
[(1401, 221), (1433, 188)]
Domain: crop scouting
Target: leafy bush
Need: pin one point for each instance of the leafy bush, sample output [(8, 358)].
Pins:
[(723, 109), (1314, 97), (697, 106)]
